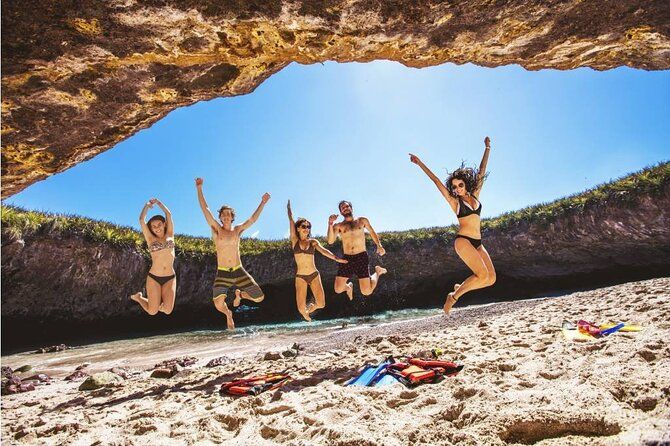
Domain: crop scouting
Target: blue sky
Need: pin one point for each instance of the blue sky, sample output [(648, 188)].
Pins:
[(325, 132)]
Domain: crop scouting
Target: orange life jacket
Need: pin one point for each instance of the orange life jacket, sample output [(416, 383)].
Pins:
[(418, 371), (255, 384)]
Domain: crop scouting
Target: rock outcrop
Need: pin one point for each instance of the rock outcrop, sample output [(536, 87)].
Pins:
[(58, 283), (80, 76)]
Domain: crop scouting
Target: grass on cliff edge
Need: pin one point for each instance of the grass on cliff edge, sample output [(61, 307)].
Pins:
[(17, 222)]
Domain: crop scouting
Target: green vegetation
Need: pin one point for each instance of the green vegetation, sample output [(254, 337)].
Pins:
[(650, 181)]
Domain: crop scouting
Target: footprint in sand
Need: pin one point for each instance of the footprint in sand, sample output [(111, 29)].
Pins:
[(405, 397), (647, 355), (538, 427), (552, 374), (451, 413), (269, 433), (463, 393), (230, 422)]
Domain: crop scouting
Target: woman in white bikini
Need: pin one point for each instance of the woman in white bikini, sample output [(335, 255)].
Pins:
[(161, 282)]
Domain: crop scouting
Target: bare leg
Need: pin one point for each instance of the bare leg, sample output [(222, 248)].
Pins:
[(319, 294), (168, 292), (478, 279), (368, 285), (239, 295), (220, 304), (489, 265), (151, 303), (301, 298), (342, 285)]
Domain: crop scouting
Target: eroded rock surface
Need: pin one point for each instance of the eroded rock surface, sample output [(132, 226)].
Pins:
[(80, 76)]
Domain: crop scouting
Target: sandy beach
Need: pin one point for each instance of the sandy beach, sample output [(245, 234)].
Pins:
[(523, 383)]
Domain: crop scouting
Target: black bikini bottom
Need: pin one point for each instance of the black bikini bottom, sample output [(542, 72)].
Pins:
[(308, 277), (161, 280), (475, 242)]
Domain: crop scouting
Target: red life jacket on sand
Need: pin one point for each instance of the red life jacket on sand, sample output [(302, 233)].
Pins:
[(255, 384), (419, 371)]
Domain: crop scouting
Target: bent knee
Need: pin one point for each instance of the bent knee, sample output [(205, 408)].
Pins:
[(152, 311), (259, 298), (483, 276), (366, 292), (220, 305), (492, 278), (168, 310)]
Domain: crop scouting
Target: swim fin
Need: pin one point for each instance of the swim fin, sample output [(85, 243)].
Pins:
[(611, 330), (387, 380), (368, 375)]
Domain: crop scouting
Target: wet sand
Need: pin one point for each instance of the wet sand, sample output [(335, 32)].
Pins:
[(523, 383)]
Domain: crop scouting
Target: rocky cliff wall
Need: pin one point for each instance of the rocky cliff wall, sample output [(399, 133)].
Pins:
[(80, 76), (59, 283)]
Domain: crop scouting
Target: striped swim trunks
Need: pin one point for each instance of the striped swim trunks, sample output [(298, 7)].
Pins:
[(235, 277)]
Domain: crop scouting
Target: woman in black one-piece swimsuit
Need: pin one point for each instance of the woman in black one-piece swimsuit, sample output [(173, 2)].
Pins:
[(461, 190)]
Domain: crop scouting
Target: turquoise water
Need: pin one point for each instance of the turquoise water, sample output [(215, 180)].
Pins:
[(145, 352)]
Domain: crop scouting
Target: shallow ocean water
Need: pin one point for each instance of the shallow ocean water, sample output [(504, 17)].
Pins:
[(145, 352)]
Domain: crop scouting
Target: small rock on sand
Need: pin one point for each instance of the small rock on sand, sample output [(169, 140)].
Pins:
[(221, 360), (99, 380), (166, 372)]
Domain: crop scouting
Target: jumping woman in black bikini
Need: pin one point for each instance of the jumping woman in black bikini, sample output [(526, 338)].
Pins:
[(461, 191), (307, 274), (161, 281)]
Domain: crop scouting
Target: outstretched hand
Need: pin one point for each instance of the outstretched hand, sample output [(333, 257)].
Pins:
[(332, 219), (265, 198), (413, 158), (339, 260), (199, 181), (151, 202), (380, 250), (288, 206), (487, 142)]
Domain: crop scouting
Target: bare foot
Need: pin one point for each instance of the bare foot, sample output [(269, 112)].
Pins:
[(380, 270), (311, 307), (449, 303), (238, 298), (306, 316), (136, 297), (350, 291)]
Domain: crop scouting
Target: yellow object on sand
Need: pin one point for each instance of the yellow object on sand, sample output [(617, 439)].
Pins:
[(625, 328), (576, 335)]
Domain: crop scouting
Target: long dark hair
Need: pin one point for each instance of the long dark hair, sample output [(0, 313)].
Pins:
[(154, 218), (297, 224), (468, 175)]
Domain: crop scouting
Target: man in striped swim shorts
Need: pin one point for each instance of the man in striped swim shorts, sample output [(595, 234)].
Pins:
[(230, 272)]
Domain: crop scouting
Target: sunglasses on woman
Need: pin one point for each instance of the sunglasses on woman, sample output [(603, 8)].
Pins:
[(457, 186), (305, 227)]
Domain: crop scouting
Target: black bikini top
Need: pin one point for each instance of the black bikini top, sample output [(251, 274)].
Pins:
[(464, 210), (298, 250)]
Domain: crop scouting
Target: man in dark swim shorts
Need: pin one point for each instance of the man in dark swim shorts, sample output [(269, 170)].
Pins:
[(352, 233)]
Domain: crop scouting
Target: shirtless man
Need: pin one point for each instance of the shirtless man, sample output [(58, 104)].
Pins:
[(352, 233), (229, 264)]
